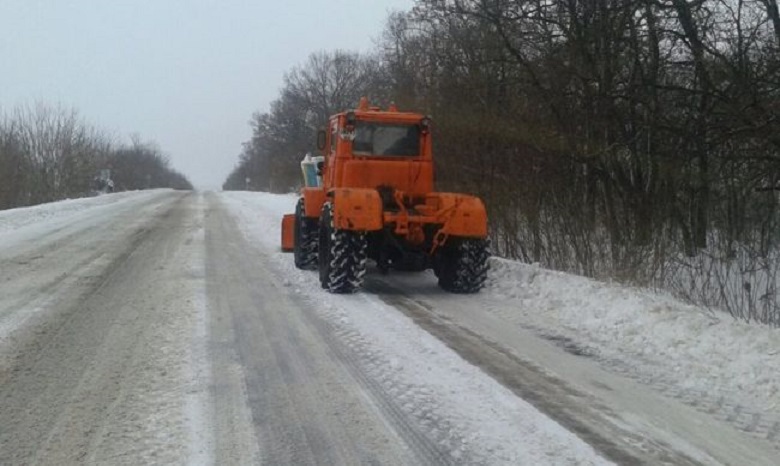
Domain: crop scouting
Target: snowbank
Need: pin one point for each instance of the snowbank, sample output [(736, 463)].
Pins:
[(656, 334), (13, 219)]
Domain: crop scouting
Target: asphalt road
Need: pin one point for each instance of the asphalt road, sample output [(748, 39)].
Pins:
[(157, 334), (310, 402), (103, 373)]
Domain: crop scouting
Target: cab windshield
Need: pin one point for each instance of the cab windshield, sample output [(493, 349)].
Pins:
[(386, 139)]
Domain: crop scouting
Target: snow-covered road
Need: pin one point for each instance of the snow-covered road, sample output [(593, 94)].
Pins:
[(167, 327)]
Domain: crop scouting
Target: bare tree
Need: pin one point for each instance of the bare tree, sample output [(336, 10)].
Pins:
[(49, 153)]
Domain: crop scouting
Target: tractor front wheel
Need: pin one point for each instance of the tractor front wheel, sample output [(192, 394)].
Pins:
[(305, 239), (462, 265), (342, 255)]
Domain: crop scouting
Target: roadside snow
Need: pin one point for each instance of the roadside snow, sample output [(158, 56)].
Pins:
[(454, 402), (26, 224), (656, 334), (40, 215), (697, 354)]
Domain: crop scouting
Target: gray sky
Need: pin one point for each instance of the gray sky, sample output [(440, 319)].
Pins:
[(185, 73)]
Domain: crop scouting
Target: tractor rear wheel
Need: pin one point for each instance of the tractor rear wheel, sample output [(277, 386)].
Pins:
[(305, 239), (462, 265), (342, 255)]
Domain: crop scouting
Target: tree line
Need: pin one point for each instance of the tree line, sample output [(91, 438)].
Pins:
[(48, 153), (327, 83), (636, 140)]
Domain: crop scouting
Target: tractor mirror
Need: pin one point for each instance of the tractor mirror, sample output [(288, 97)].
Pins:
[(321, 139), (425, 124)]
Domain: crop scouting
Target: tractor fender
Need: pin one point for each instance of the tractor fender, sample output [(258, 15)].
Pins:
[(461, 214), (313, 199), (356, 209)]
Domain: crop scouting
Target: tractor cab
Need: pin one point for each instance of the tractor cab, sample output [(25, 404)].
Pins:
[(372, 148)]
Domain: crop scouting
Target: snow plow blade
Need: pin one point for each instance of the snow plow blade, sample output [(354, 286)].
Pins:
[(288, 225)]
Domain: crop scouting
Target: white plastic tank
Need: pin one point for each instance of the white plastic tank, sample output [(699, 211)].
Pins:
[(311, 176)]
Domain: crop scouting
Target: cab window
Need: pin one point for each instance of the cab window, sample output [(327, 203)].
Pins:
[(386, 139)]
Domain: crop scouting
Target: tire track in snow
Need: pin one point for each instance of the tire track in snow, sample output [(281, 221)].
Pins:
[(308, 383), (100, 381), (415, 419), (572, 409)]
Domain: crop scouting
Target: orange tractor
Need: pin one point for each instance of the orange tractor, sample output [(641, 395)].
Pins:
[(370, 196)]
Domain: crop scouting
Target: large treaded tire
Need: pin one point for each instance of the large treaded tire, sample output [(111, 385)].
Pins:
[(462, 265), (305, 243), (342, 256)]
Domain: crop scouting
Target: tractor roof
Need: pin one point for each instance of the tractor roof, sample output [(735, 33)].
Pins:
[(367, 112)]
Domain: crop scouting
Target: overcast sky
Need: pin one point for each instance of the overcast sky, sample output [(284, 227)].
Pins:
[(187, 74)]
